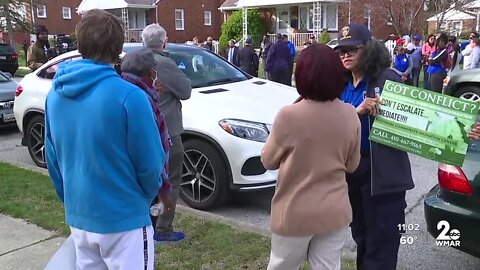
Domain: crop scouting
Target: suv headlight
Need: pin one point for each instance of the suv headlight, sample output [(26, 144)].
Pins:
[(252, 131)]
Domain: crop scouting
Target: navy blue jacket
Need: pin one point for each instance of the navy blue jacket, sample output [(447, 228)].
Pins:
[(391, 169), (278, 58)]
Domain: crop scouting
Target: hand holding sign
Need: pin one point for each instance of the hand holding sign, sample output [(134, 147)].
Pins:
[(475, 132)]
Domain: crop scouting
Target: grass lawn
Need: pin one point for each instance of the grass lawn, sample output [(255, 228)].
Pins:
[(29, 195)]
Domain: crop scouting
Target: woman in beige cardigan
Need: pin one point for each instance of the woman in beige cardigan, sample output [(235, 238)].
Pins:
[(313, 143)]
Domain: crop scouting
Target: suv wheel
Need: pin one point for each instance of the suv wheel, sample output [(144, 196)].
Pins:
[(471, 93), (204, 176), (36, 140)]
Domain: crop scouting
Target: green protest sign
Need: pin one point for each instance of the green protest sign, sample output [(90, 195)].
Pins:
[(424, 123)]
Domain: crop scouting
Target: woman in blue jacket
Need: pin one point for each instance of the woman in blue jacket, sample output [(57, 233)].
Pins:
[(437, 64), (377, 188)]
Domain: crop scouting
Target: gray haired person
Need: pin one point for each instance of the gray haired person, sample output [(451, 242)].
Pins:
[(175, 87)]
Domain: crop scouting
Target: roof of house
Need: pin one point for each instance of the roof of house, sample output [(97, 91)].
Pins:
[(86, 5), (452, 15), (237, 4), (229, 5), (473, 5)]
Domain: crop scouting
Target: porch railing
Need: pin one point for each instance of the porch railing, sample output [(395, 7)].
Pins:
[(133, 34), (296, 38)]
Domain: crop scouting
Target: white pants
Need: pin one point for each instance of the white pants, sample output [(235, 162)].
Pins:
[(129, 250), (322, 251)]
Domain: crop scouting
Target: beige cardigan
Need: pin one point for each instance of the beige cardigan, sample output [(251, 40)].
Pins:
[(313, 144)]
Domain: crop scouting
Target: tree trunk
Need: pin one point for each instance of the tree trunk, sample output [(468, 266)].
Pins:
[(8, 20)]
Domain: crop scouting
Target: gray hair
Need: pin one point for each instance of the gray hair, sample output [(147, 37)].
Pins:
[(154, 36)]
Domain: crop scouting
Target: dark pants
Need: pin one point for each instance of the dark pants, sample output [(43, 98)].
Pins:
[(426, 77), (416, 76), (375, 221), (290, 72), (165, 222), (281, 77), (436, 81)]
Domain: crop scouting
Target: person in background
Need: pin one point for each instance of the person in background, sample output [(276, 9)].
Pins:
[(475, 56), (106, 182), (264, 47), (291, 47), (310, 209), (313, 39), (37, 52), (138, 68), (248, 59), (467, 52), (402, 63), (417, 58), (278, 61), (209, 44), (195, 41), (427, 49), (437, 68), (231, 52), (453, 49), (175, 87), (377, 188)]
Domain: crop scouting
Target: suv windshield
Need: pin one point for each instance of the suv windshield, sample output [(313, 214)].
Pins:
[(6, 49), (204, 68)]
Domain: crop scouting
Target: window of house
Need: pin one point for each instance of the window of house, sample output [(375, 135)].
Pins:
[(328, 17), (42, 11), (137, 19), (444, 26), (207, 17), (457, 26), (67, 13), (179, 19)]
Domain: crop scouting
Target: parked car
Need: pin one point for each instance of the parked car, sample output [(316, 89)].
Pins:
[(8, 58), (464, 84), (456, 198), (227, 121), (332, 43), (7, 96)]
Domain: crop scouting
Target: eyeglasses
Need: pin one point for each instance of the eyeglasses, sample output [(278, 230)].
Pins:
[(348, 51)]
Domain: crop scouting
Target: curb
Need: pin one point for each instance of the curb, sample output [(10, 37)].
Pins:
[(243, 226)]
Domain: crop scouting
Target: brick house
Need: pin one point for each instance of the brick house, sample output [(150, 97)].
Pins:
[(183, 19), (457, 21), (60, 17), (295, 18)]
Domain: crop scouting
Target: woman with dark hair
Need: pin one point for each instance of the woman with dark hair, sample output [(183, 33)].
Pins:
[(427, 49), (437, 64), (310, 209), (377, 188)]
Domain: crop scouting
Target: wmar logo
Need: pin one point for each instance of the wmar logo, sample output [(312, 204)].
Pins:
[(447, 237)]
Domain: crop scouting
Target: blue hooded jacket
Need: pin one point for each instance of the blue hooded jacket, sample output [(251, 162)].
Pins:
[(103, 148)]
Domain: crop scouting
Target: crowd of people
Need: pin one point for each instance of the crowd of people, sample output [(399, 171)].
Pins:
[(329, 179), (438, 55)]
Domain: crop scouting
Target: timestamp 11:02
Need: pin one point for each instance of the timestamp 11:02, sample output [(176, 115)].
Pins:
[(408, 227)]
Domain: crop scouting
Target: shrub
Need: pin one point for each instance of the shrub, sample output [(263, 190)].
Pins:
[(324, 37), (233, 28)]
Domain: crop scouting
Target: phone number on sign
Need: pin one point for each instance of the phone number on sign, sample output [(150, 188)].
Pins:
[(397, 139)]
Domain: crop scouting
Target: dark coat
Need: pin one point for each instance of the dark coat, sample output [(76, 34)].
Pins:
[(278, 58), (235, 53), (248, 60), (391, 169)]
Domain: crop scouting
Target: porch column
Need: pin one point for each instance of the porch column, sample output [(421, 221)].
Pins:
[(245, 24), (317, 17), (125, 21)]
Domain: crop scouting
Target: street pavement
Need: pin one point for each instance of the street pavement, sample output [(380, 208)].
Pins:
[(254, 209)]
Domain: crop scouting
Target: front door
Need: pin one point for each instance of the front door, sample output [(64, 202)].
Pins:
[(283, 19)]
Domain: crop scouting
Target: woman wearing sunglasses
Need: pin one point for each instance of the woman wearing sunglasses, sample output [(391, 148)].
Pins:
[(377, 188)]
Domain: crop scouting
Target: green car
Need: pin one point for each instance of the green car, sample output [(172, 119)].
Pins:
[(452, 208)]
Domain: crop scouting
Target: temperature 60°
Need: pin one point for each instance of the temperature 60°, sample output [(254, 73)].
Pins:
[(407, 239)]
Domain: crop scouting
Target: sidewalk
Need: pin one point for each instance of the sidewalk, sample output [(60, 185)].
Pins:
[(25, 246)]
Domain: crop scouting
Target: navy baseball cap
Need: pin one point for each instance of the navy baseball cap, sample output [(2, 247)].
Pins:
[(353, 35), (417, 37)]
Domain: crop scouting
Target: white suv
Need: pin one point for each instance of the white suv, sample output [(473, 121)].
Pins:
[(226, 120)]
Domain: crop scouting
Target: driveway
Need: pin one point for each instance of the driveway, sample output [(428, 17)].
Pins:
[(254, 208)]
